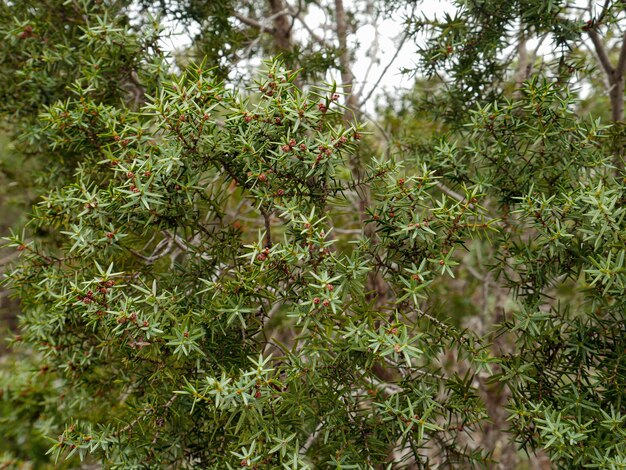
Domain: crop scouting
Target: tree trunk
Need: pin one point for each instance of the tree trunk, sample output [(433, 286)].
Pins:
[(617, 97), (344, 61), (282, 26)]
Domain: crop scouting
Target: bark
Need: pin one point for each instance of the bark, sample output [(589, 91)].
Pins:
[(282, 24), (615, 81), (523, 66), (347, 77)]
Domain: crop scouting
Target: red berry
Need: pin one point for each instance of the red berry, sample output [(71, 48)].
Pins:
[(261, 257), (316, 300), (326, 303), (263, 177)]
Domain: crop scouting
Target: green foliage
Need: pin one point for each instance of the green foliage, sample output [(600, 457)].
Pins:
[(223, 278), (168, 348)]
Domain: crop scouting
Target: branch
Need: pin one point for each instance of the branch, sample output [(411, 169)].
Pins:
[(311, 439), (386, 69), (313, 34), (621, 62), (344, 59), (268, 229), (161, 250), (604, 11), (252, 22), (603, 57)]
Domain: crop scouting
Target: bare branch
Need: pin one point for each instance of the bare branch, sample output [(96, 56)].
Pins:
[(603, 57), (621, 62), (312, 438), (313, 34), (268, 229), (386, 69), (604, 11), (252, 22), (344, 59)]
